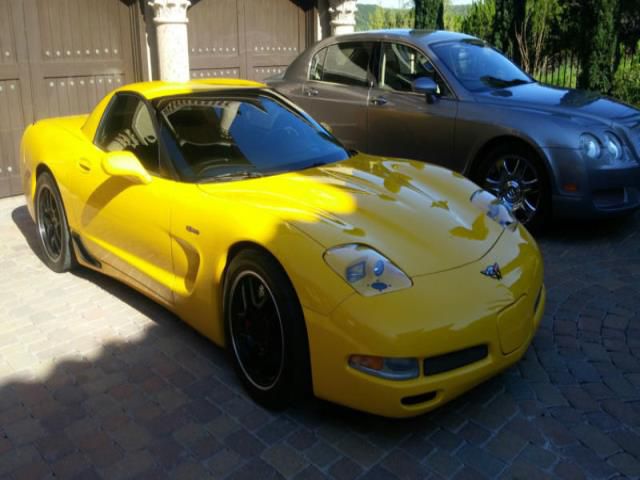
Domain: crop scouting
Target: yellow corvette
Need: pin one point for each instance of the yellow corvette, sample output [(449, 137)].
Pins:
[(386, 285)]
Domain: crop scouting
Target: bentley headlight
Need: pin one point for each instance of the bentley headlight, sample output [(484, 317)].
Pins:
[(495, 209), (366, 270), (613, 149), (590, 146)]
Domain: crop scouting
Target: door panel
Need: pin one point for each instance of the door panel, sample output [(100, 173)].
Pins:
[(124, 224), (402, 123), (407, 126), (338, 91), (57, 57), (342, 107), (246, 38), (15, 97)]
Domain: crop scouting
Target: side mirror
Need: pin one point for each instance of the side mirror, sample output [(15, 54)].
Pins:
[(125, 164), (327, 127), (426, 85)]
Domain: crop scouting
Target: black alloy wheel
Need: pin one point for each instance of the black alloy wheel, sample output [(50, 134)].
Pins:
[(256, 330), (52, 226), (265, 330)]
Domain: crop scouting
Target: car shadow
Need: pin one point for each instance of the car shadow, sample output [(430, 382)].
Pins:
[(309, 410), (581, 230)]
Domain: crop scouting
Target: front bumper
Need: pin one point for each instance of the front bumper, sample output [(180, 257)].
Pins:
[(601, 191), (442, 313)]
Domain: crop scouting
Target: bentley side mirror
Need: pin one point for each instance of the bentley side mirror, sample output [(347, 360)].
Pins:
[(125, 164), (426, 85)]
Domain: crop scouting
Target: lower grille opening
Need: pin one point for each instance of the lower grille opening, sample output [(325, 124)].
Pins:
[(416, 399), (453, 360), (612, 197)]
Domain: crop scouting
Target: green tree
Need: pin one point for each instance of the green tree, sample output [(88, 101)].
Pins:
[(507, 25), (429, 14), (377, 18), (479, 20), (598, 45)]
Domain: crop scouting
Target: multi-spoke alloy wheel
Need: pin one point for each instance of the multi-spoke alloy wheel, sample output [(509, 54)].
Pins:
[(51, 223), (256, 330), (265, 330), (514, 180), (515, 175)]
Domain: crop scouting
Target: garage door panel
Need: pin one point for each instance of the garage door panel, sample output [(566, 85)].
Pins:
[(76, 51), (268, 35), (215, 73), (77, 94), (7, 35), (80, 30), (215, 41), (12, 122)]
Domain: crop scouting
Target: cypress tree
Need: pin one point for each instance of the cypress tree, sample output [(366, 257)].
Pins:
[(429, 14), (599, 42), (509, 21)]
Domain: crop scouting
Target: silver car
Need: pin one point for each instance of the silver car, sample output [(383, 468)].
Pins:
[(451, 99)]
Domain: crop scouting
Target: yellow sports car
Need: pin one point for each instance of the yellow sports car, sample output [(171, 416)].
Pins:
[(386, 285)]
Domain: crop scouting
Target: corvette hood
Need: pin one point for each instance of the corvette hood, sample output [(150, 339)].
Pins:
[(418, 215)]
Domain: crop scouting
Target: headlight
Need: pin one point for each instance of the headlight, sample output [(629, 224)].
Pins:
[(495, 209), (613, 150), (366, 270), (590, 146)]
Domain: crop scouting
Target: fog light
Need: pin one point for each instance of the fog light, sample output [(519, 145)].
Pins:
[(391, 368)]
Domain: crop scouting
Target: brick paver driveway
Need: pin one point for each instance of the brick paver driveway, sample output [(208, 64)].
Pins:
[(97, 381)]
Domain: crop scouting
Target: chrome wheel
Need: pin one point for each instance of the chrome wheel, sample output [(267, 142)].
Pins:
[(50, 223), (515, 180), (256, 331)]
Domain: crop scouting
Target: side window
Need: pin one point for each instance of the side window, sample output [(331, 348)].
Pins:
[(400, 65), (317, 65), (127, 125), (348, 63)]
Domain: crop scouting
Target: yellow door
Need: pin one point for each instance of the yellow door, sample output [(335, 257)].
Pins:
[(121, 222)]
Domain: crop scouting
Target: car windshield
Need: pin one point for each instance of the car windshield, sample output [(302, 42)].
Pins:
[(231, 137), (478, 66)]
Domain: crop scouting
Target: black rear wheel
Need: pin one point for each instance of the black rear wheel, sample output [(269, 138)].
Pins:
[(51, 222), (265, 330)]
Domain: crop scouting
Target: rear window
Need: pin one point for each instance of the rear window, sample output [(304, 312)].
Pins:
[(348, 64)]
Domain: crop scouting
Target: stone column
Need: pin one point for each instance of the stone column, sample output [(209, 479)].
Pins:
[(343, 16), (170, 18)]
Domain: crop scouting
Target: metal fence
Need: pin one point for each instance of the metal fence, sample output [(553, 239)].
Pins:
[(562, 69)]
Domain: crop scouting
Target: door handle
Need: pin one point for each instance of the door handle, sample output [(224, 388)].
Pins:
[(379, 101), (84, 164), (311, 92)]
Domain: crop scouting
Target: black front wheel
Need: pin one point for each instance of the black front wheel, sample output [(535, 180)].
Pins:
[(265, 330), (51, 222), (516, 176)]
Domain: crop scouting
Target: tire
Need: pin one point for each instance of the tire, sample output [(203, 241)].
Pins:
[(516, 175), (265, 330), (52, 226)]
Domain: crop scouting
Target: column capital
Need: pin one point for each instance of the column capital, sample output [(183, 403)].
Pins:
[(343, 16), (170, 11)]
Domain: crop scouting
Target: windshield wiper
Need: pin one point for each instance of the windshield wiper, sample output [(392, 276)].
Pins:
[(502, 83), (225, 177)]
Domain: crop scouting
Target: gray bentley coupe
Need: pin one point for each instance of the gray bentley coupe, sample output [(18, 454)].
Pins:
[(452, 99)]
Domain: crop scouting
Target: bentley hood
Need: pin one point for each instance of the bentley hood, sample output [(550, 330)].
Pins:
[(417, 215)]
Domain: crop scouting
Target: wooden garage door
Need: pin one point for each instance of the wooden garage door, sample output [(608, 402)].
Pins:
[(246, 38), (58, 57)]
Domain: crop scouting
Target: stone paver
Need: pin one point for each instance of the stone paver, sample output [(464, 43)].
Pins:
[(97, 381)]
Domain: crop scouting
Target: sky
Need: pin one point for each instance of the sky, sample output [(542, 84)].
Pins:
[(400, 3)]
